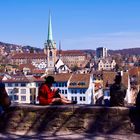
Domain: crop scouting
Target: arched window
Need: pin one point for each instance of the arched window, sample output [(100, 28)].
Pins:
[(50, 54)]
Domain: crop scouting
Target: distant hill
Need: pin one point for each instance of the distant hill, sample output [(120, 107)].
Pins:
[(7, 47), (130, 51)]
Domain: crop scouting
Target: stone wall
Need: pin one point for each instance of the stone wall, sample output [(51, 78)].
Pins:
[(77, 119)]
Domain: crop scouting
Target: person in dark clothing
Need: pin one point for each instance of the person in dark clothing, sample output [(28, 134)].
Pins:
[(135, 115), (5, 101), (117, 92), (138, 100)]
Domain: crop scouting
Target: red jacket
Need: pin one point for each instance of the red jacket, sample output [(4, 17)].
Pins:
[(45, 95)]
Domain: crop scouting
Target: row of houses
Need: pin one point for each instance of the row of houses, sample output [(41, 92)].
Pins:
[(24, 89), (84, 88)]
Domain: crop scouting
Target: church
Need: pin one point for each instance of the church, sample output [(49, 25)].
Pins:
[(53, 60)]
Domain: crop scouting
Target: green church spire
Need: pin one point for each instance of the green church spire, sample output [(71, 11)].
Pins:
[(50, 37)]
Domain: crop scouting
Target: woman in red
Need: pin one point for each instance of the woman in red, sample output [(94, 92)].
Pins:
[(48, 96)]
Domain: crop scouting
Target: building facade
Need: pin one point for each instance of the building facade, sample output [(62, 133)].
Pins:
[(24, 89), (105, 64), (28, 58), (101, 52), (74, 58)]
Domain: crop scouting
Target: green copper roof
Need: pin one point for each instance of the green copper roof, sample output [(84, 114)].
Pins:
[(50, 38)]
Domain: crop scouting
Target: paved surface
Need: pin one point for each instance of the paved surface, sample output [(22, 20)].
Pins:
[(68, 136)]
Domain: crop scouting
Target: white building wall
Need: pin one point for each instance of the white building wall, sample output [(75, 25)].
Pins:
[(23, 93), (87, 94)]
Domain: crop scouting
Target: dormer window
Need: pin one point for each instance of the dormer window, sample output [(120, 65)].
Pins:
[(73, 84), (81, 83)]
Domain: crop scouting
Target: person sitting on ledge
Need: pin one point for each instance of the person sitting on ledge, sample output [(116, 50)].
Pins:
[(47, 96), (5, 101), (117, 92), (138, 100)]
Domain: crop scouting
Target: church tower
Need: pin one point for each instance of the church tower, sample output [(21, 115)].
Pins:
[(50, 47)]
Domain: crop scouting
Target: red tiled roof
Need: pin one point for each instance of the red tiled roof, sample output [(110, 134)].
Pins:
[(79, 81), (134, 71), (29, 56), (38, 71), (61, 77), (72, 53), (108, 78), (19, 79), (30, 66)]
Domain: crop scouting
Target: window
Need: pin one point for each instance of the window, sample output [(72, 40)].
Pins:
[(62, 84), (23, 91), (23, 98), (56, 84), (75, 91), (30, 98), (62, 91), (15, 90), (73, 84), (72, 91), (81, 84), (16, 84), (50, 53), (65, 84), (23, 84), (9, 84), (59, 84), (38, 84), (72, 98), (15, 97), (75, 98), (10, 97), (10, 91), (84, 91), (84, 98), (32, 90), (65, 91), (80, 98)]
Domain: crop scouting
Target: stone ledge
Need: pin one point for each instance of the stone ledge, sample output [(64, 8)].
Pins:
[(70, 118)]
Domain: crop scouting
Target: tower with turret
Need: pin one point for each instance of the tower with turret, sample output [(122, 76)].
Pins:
[(50, 47)]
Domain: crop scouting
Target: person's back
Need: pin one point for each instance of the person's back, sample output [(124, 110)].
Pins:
[(5, 101), (117, 93), (138, 100)]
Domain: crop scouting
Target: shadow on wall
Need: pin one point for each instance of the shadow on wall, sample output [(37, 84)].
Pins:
[(37, 118), (110, 120), (135, 119), (69, 118)]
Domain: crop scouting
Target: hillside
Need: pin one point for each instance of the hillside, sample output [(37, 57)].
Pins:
[(130, 51), (7, 47)]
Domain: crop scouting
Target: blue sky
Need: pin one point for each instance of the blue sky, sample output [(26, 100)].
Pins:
[(78, 24)]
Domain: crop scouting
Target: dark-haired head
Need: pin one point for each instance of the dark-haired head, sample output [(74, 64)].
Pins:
[(118, 79), (49, 80)]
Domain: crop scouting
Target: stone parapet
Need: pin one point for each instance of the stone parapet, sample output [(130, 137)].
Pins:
[(70, 118)]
